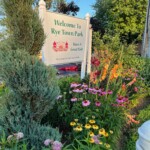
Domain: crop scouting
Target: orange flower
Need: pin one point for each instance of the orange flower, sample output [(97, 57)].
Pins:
[(114, 72), (132, 120), (123, 87), (94, 76), (104, 72), (132, 82)]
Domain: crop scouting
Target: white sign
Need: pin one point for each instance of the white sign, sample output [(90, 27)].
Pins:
[(65, 39), (68, 39)]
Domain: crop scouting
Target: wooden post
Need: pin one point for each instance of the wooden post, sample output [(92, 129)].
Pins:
[(83, 66), (42, 9), (89, 51), (42, 14)]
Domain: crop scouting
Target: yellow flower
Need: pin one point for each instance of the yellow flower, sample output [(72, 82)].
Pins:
[(76, 120), (100, 143), (105, 134), (91, 133), (107, 145), (111, 132), (72, 123), (91, 140), (102, 131), (95, 127), (91, 121), (78, 128), (87, 126)]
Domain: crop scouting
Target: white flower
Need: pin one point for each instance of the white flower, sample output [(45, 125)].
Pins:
[(47, 142), (19, 135), (9, 137)]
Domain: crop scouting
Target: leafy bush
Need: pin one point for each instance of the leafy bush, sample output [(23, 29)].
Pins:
[(122, 18)]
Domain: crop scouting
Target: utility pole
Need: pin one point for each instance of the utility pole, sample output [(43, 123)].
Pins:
[(146, 36)]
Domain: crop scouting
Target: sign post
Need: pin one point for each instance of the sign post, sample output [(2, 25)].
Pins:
[(83, 67), (89, 52), (67, 39)]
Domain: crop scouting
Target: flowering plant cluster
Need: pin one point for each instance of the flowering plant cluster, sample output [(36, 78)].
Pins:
[(13, 141), (55, 145), (92, 129), (15, 136), (106, 96), (86, 101)]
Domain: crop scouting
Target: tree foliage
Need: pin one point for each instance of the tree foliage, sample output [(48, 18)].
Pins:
[(24, 25), (68, 8), (61, 6), (125, 17)]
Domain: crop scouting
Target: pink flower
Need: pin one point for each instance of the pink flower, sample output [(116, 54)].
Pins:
[(97, 104), (78, 90), (47, 142), (94, 90), (121, 99), (86, 103), (74, 99), (109, 92), (57, 145), (103, 93), (74, 85), (90, 90), (95, 138), (135, 89), (85, 86)]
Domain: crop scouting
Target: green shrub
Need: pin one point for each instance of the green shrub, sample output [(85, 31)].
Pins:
[(33, 90), (30, 80), (24, 26)]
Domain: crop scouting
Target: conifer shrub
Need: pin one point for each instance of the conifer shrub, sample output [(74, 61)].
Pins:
[(33, 91), (30, 80), (17, 117), (24, 25)]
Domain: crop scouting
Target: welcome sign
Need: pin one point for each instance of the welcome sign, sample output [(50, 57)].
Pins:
[(68, 39), (65, 39)]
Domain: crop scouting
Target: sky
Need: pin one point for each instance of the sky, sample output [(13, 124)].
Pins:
[(85, 7)]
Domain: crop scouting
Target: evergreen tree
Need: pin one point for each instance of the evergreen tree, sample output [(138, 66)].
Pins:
[(24, 25)]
